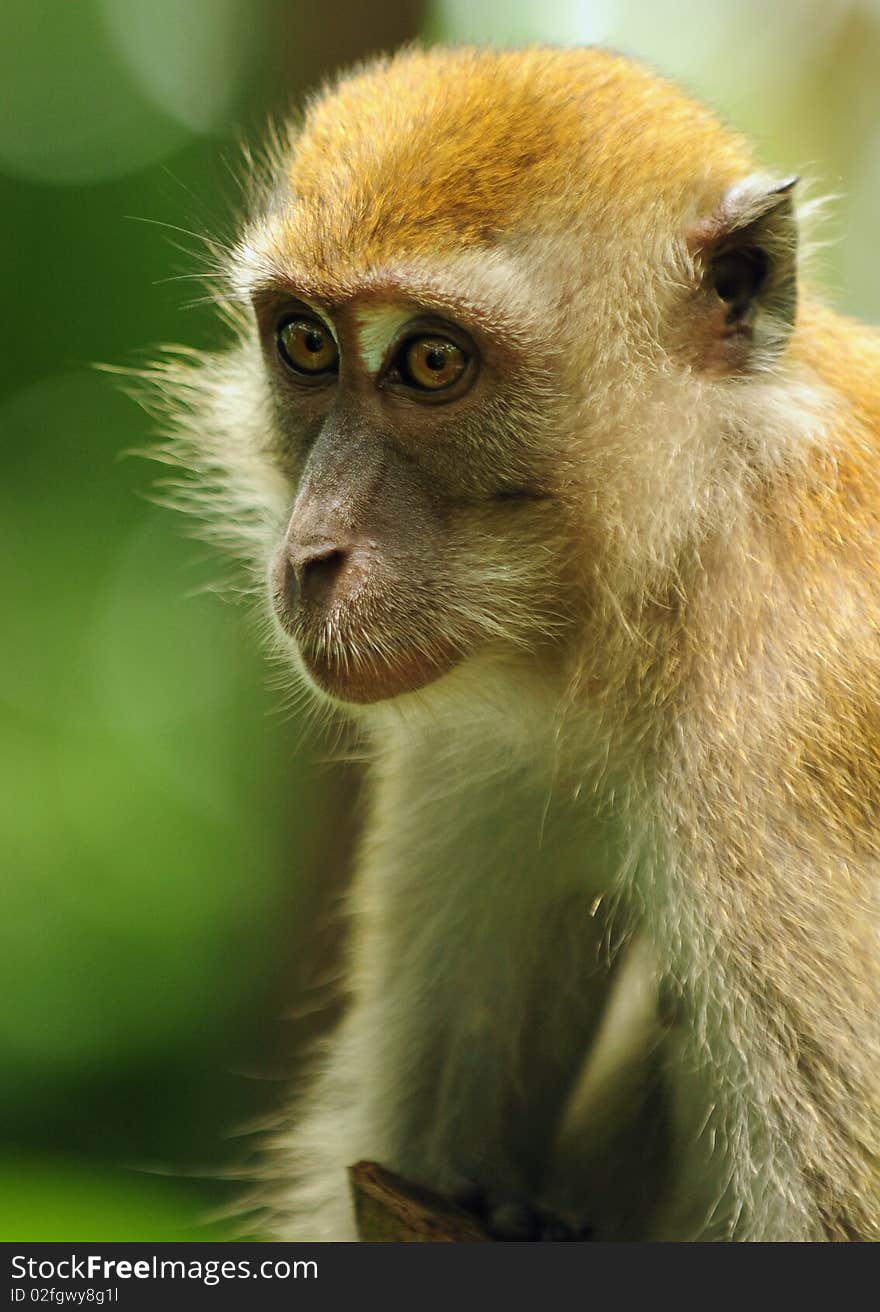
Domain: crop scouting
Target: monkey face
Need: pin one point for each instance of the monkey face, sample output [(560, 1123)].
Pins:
[(480, 388), (410, 489)]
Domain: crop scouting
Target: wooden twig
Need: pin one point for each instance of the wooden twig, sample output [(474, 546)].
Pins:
[(389, 1210)]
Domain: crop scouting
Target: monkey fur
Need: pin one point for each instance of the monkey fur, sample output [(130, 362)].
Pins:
[(606, 619)]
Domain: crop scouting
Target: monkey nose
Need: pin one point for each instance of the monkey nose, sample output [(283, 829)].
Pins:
[(315, 572)]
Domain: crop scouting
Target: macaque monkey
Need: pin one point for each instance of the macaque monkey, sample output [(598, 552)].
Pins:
[(565, 491)]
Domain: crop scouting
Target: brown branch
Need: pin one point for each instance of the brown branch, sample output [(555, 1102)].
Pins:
[(389, 1210)]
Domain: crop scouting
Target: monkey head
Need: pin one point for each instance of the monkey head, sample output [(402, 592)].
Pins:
[(479, 302)]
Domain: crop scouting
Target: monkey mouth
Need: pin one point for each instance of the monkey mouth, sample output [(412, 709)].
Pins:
[(351, 661), (372, 643), (367, 679)]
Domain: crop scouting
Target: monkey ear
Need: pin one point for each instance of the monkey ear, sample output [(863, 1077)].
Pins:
[(746, 259)]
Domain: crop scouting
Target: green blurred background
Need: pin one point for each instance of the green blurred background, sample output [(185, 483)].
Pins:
[(172, 839)]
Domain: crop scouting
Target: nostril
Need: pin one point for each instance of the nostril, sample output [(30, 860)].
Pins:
[(317, 573)]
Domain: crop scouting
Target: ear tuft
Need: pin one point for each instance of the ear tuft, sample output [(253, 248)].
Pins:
[(746, 259)]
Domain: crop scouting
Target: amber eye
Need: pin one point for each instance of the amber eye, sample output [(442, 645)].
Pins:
[(307, 347), (432, 363)]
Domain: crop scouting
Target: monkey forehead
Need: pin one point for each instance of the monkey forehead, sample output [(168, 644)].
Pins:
[(441, 150), (498, 292)]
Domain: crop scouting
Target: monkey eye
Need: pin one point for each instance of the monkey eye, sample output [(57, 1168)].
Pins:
[(430, 364), (307, 347)]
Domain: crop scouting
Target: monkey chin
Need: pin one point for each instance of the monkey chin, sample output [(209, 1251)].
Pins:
[(406, 670)]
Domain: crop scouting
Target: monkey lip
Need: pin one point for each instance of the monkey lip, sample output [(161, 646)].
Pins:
[(361, 682), (350, 655)]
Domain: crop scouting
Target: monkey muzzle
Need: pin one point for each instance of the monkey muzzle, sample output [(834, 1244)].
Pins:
[(364, 631)]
